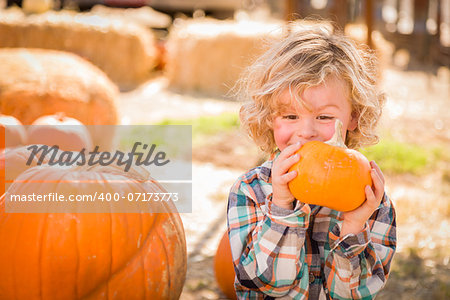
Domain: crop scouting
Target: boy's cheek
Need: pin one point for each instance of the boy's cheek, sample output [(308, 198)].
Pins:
[(328, 133), (280, 141), (281, 136)]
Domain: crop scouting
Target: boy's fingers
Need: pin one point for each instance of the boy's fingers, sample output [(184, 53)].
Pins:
[(370, 198), (378, 170), (378, 184), (289, 150), (286, 159), (283, 165), (289, 176)]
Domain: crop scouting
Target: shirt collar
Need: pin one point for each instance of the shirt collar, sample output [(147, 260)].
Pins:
[(266, 167)]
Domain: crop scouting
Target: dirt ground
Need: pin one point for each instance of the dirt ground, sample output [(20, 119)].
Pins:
[(417, 111)]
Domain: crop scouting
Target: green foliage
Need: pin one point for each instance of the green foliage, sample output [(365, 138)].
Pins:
[(172, 140), (207, 125), (396, 157)]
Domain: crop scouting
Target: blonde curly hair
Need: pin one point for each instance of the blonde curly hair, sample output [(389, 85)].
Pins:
[(303, 59)]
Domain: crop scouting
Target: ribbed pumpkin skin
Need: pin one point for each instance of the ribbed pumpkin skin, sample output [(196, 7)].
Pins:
[(330, 176), (223, 267), (90, 255)]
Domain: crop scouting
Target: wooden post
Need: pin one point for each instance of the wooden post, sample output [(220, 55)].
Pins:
[(289, 14), (339, 14), (369, 22)]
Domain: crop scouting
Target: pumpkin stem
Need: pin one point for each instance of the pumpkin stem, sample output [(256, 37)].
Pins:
[(60, 116), (337, 139)]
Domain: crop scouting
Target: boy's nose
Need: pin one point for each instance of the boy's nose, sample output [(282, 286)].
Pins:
[(306, 130)]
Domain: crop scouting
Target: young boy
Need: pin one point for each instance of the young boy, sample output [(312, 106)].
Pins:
[(282, 247)]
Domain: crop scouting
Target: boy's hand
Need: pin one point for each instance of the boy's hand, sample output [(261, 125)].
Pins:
[(355, 220), (280, 176)]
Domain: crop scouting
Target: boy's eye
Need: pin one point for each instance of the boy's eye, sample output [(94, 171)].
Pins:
[(325, 117), (290, 117)]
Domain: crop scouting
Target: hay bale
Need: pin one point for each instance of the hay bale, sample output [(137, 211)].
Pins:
[(37, 6), (208, 56), (36, 82), (307, 24), (125, 51), (144, 15)]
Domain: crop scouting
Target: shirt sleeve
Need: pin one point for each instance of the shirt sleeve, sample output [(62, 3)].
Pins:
[(267, 243), (357, 266)]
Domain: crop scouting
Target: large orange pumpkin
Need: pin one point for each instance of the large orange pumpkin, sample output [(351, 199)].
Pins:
[(223, 267), (39, 82), (90, 255), (13, 132), (331, 175), (58, 129)]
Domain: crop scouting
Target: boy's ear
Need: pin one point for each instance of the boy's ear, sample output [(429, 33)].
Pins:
[(353, 122)]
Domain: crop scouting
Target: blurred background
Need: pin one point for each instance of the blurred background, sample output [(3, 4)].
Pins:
[(178, 62)]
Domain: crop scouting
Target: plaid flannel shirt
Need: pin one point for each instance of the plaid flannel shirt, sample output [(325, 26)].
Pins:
[(299, 254)]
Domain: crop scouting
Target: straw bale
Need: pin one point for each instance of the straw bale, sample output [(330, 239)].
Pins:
[(37, 82), (37, 6), (208, 56), (307, 24), (144, 15), (125, 51)]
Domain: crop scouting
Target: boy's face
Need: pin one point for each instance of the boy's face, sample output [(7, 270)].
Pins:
[(313, 120)]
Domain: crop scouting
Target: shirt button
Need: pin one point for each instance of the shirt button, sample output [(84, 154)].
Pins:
[(311, 277)]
